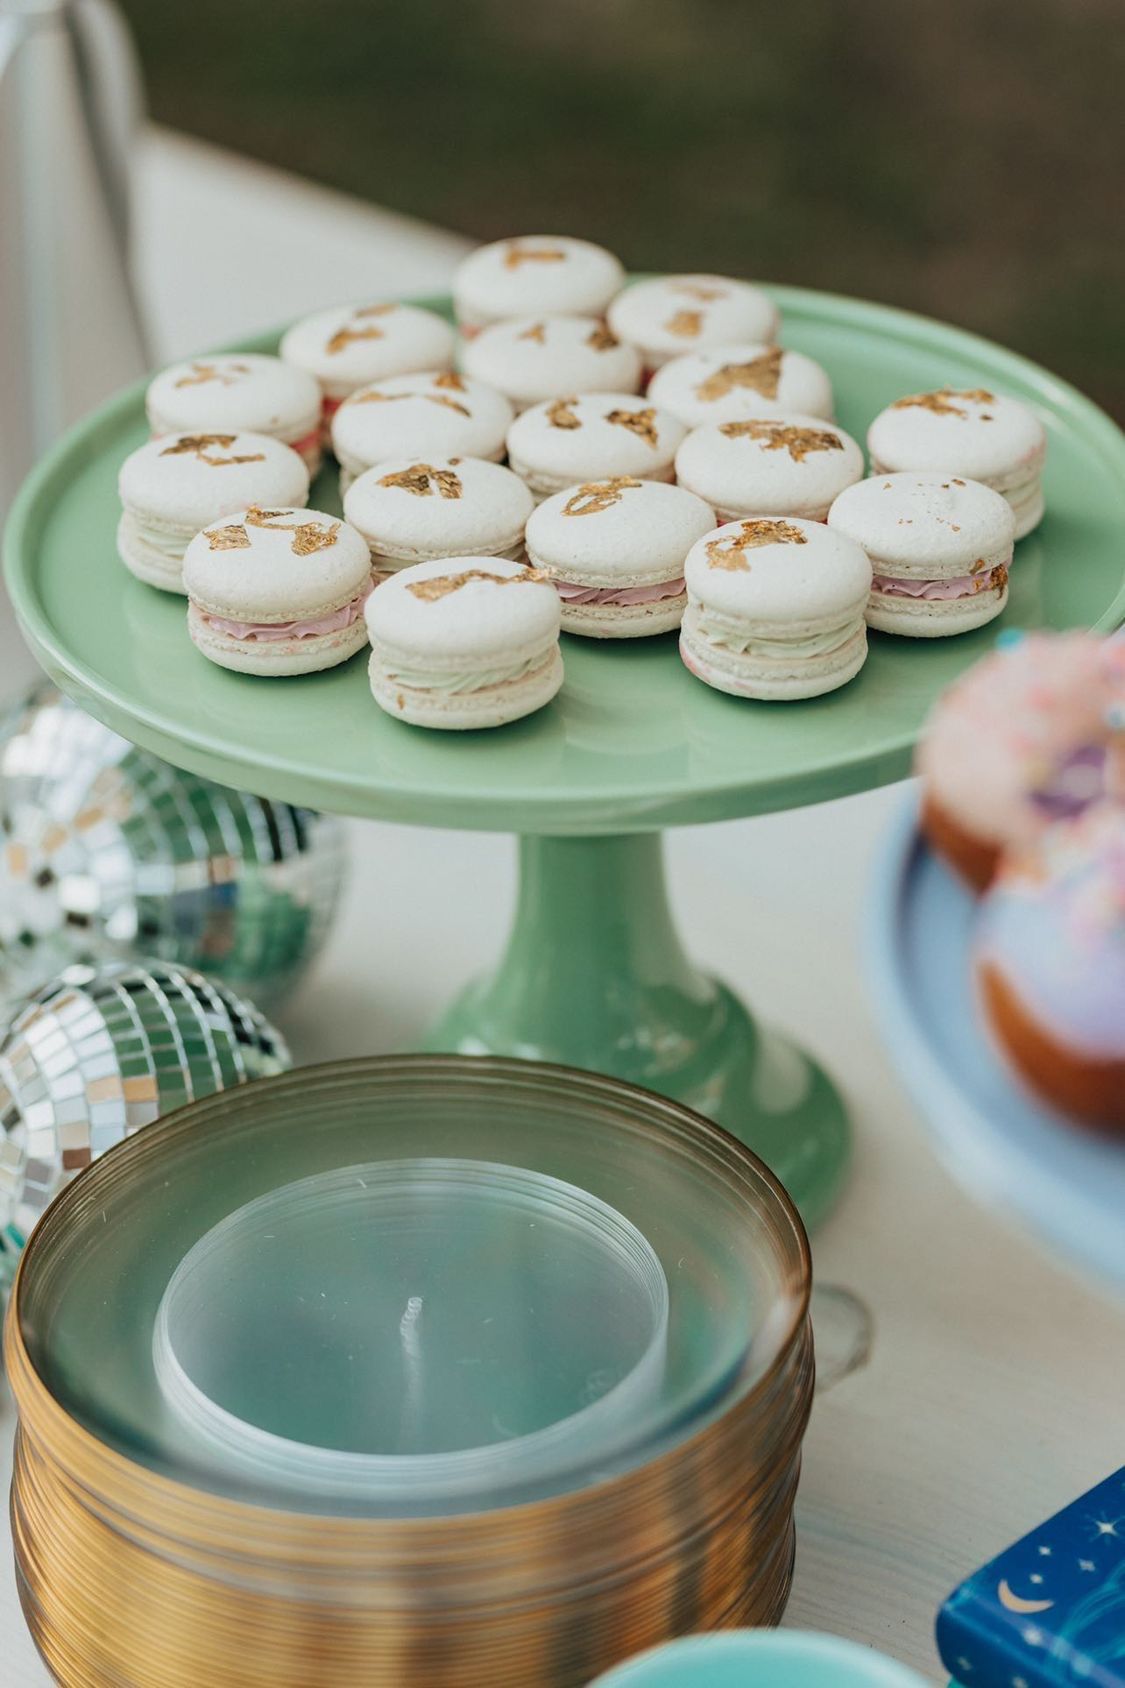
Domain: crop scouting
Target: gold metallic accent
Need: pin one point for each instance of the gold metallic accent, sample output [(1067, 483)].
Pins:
[(376, 310), (561, 413), (687, 324), (372, 395), (233, 537), (759, 375), (198, 445), (941, 402), (226, 374), (345, 337), (450, 378), (730, 553), (307, 536), (444, 585), (639, 422), (783, 436), (517, 254), (537, 332), (423, 480), (596, 496), (601, 339), (703, 291)]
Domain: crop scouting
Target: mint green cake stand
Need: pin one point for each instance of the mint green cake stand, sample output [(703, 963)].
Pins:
[(594, 973)]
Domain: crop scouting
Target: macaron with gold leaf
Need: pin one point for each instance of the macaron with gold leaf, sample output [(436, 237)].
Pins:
[(411, 511), (246, 392), (592, 436), (530, 359), (534, 275), (769, 466), (734, 382), (349, 347), (464, 642), (424, 416), (277, 591), (669, 315)]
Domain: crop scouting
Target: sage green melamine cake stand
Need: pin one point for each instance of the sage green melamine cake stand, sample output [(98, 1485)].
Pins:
[(594, 973)]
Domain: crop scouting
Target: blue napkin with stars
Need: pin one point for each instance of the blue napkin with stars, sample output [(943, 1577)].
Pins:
[(1050, 1611)]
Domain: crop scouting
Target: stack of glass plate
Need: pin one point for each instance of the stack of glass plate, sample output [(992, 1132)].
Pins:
[(418, 1369)]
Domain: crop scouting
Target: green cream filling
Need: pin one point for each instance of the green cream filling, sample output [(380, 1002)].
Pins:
[(476, 680), (808, 645)]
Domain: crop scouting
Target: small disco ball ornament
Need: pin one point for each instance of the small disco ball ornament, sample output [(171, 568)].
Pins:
[(107, 851), (100, 1052)]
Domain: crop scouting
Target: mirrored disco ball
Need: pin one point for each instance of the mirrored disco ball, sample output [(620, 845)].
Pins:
[(105, 850), (100, 1052)]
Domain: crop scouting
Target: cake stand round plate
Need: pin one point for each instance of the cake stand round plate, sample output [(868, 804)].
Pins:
[(594, 973), (1064, 1182)]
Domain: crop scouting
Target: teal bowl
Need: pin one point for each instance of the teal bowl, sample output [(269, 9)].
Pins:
[(761, 1658)]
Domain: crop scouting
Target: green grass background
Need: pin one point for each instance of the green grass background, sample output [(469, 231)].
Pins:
[(964, 158)]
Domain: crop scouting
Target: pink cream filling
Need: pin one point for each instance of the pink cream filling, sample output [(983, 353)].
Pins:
[(960, 586), (262, 632), (571, 593)]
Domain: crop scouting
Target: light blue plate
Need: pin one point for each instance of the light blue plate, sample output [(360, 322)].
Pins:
[(1065, 1183), (782, 1658)]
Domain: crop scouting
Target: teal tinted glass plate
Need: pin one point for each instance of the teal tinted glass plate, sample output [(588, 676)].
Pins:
[(633, 742), (1065, 1183)]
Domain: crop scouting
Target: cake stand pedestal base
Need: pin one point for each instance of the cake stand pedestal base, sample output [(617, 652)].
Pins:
[(594, 975)]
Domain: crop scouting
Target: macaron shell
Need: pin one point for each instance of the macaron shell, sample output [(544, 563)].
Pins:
[(555, 275), (925, 526), (248, 391), (491, 706), (590, 437), (424, 416), (617, 532), (150, 565), (919, 618), (352, 345), (456, 506), (276, 657), (666, 316), (276, 565), (729, 383), (776, 679), (979, 435), (789, 465), (456, 612), (530, 358), (778, 573), (186, 480)]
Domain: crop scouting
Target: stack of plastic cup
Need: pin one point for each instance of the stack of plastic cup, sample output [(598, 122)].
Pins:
[(421, 1369)]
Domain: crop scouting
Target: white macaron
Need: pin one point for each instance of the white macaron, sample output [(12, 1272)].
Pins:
[(247, 392), (731, 383), (672, 314), (615, 551), (776, 609), (277, 591), (780, 466), (410, 511), (534, 275), (535, 358), (940, 548), (423, 416), (179, 483), (464, 642), (976, 434), (592, 436), (346, 348)]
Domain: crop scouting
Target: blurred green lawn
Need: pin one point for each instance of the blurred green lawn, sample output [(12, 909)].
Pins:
[(964, 158)]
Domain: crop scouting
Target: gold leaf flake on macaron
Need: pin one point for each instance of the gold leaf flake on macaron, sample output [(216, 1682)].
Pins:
[(941, 401), (233, 537), (595, 496), (537, 332), (444, 585), (201, 373), (424, 481), (560, 414), (703, 291), (687, 324), (759, 375), (450, 378), (376, 310), (783, 436), (601, 339), (730, 553), (516, 253), (373, 396), (639, 422), (308, 537), (346, 336), (202, 446)]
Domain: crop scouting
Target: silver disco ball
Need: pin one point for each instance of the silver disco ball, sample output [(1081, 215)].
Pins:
[(105, 850), (102, 1051)]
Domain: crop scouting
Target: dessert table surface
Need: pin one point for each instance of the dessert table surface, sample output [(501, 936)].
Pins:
[(993, 1392)]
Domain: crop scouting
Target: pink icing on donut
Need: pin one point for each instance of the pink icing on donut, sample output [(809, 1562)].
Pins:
[(1000, 740)]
